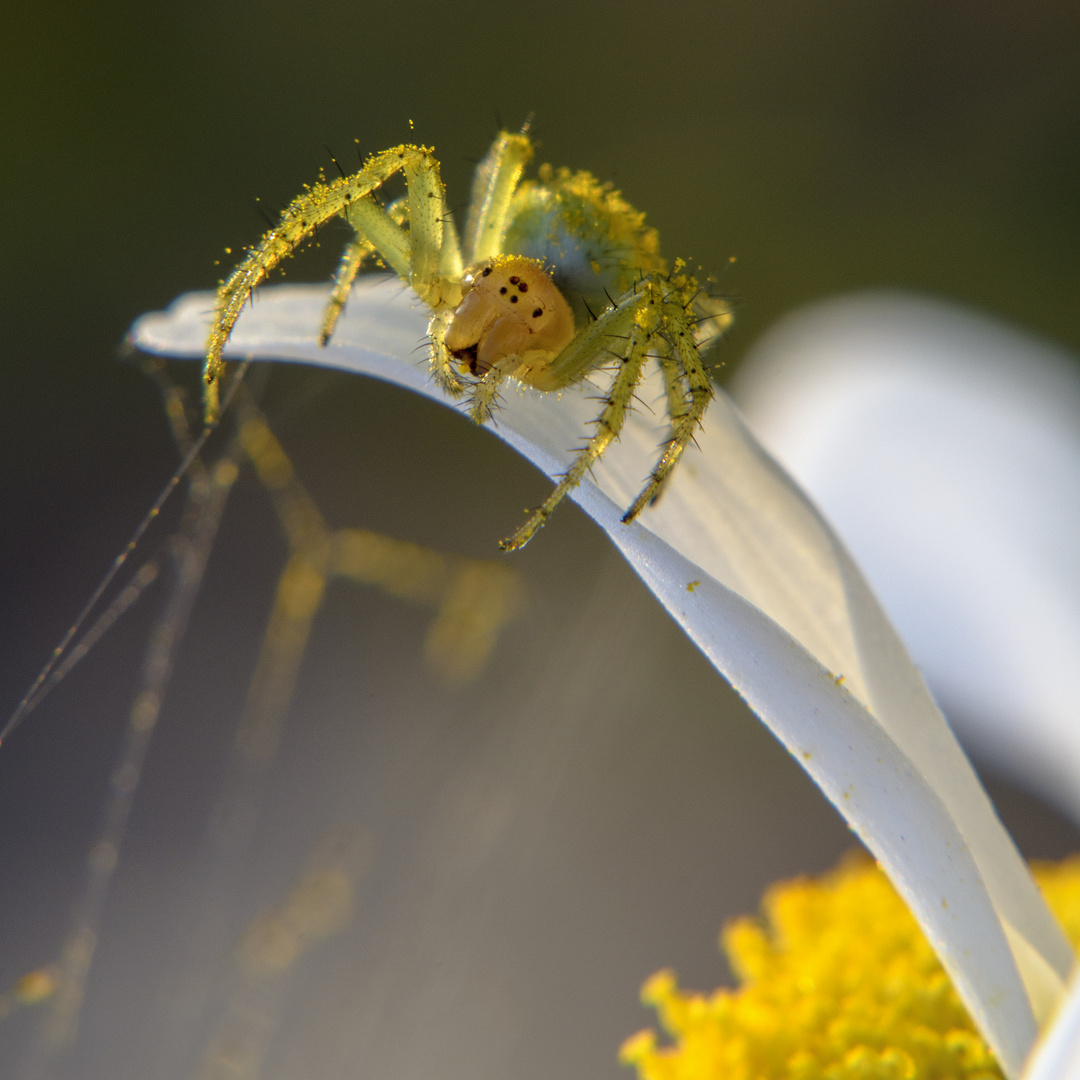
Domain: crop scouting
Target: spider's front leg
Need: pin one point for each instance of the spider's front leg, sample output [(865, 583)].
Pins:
[(418, 255), (410, 256)]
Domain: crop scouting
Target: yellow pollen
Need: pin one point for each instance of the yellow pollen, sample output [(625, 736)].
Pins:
[(836, 982)]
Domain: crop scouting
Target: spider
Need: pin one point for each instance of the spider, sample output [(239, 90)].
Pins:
[(514, 298)]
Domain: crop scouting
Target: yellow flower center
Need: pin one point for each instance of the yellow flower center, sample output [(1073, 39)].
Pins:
[(836, 982)]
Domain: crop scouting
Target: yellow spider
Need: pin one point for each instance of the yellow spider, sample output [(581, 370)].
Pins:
[(516, 299)]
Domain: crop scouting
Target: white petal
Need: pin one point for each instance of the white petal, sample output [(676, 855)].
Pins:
[(759, 582), (1057, 1056), (946, 448)]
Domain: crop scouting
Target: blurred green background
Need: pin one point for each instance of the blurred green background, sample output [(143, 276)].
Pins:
[(825, 147)]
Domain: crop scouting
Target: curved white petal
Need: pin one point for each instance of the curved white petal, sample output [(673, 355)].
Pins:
[(1057, 1056), (756, 578), (946, 449)]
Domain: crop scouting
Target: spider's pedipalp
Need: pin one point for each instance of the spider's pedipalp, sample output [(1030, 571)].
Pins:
[(442, 360), (484, 395)]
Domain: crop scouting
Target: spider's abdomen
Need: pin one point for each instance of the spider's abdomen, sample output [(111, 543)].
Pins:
[(596, 243), (511, 309)]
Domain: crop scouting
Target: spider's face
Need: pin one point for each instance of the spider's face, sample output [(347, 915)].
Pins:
[(511, 308)]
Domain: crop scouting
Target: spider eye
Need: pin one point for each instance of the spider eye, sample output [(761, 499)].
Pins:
[(502, 291), (487, 270), (538, 312)]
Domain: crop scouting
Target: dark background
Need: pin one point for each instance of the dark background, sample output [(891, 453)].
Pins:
[(830, 146)]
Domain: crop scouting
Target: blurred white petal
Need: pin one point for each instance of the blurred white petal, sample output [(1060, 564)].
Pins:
[(759, 582), (945, 447), (1057, 1057)]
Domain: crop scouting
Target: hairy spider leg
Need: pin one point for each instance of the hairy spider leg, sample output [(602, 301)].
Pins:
[(675, 388), (353, 258), (388, 237), (416, 255), (713, 319), (494, 184), (443, 369), (635, 318), (376, 227), (451, 268), (677, 327)]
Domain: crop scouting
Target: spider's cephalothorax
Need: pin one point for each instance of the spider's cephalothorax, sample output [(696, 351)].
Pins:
[(553, 279)]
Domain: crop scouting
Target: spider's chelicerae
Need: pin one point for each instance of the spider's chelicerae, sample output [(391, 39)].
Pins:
[(553, 279)]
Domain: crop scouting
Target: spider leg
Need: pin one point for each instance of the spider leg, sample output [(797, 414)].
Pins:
[(443, 370), (380, 230), (496, 179), (384, 233), (450, 265), (674, 386), (580, 357), (678, 398), (617, 406), (351, 261), (678, 327), (326, 200)]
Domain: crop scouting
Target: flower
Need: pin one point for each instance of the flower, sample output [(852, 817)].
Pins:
[(836, 981), (758, 580)]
